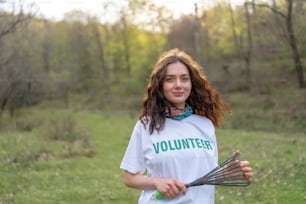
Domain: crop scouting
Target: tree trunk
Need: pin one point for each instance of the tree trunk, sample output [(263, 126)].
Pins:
[(248, 52), (291, 39), (46, 46), (197, 37), (233, 24), (293, 45), (126, 44)]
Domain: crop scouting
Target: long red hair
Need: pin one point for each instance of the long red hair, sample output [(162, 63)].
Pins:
[(203, 99)]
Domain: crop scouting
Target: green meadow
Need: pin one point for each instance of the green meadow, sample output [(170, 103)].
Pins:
[(72, 156)]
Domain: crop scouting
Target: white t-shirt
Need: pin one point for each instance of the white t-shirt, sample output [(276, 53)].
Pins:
[(185, 150)]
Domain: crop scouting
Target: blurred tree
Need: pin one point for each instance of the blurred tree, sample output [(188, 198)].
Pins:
[(79, 49), (219, 33), (233, 27), (249, 44), (291, 37), (126, 42), (15, 81), (105, 61), (179, 38)]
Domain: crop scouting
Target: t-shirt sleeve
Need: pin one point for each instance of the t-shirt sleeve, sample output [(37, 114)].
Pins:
[(133, 160)]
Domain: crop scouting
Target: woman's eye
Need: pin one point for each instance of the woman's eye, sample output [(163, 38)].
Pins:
[(169, 79), (185, 78)]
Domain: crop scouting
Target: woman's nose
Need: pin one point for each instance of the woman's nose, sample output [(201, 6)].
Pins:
[(178, 83)]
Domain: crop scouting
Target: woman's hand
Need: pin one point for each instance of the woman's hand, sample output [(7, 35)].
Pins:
[(169, 187), (247, 170)]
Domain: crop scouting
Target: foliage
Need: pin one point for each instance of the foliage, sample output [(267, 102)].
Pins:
[(46, 59)]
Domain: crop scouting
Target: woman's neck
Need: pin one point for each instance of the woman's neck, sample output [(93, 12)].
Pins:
[(174, 111)]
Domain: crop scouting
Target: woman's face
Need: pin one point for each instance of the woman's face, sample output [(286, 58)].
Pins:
[(177, 84)]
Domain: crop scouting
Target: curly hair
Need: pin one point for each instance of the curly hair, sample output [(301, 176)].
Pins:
[(203, 98)]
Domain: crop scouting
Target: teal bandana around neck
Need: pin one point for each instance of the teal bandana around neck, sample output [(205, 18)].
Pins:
[(187, 113)]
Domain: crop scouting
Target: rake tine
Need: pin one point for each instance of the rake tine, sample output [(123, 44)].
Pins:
[(232, 158), (227, 173)]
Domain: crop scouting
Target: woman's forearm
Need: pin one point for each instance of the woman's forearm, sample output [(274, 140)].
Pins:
[(139, 181), (169, 187)]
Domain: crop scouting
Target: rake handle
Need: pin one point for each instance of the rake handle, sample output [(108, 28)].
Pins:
[(159, 195)]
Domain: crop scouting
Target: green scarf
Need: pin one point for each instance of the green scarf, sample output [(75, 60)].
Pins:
[(187, 113)]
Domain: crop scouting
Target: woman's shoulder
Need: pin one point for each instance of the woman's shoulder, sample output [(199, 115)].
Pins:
[(142, 124), (143, 121), (200, 118), (202, 122)]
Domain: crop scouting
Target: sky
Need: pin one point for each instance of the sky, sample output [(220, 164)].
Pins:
[(55, 9)]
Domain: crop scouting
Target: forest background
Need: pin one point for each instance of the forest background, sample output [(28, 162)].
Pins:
[(71, 89)]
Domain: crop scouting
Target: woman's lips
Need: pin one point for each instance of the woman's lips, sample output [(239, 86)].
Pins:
[(178, 93)]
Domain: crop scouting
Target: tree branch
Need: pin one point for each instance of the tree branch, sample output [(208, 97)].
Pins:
[(272, 9), (18, 19)]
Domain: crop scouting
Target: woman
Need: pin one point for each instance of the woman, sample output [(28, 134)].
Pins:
[(174, 141)]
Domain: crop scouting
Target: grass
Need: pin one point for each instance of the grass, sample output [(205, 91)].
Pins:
[(278, 161), (36, 168), (55, 179)]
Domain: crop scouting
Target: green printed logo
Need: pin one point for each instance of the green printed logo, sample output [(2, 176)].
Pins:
[(188, 143)]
